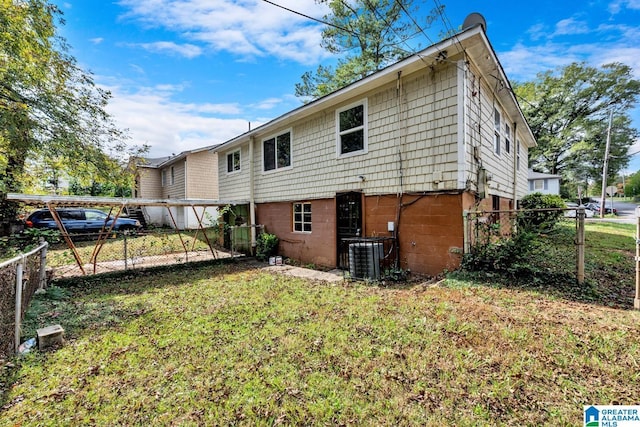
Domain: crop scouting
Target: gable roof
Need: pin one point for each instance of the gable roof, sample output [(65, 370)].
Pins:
[(471, 41), (539, 175), (160, 162)]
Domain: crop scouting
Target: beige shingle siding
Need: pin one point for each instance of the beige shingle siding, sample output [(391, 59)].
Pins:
[(150, 185), (422, 126), (202, 175), (234, 185), (175, 190), (426, 136), (480, 104)]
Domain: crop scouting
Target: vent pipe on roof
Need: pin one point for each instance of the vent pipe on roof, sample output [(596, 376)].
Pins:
[(474, 19)]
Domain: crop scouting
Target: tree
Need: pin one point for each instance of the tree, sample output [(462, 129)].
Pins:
[(370, 33), (49, 107), (568, 112), (632, 185)]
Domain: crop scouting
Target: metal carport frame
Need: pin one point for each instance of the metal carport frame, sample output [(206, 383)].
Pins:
[(52, 202)]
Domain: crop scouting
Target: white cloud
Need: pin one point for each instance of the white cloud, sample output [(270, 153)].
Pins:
[(247, 28), (96, 40), (537, 31), (267, 104), (186, 50), (524, 62), (617, 5), (571, 26), (173, 127)]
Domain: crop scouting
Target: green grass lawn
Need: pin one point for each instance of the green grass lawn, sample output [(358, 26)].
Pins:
[(226, 344), (229, 344)]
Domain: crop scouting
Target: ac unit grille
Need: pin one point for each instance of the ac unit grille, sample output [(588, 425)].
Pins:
[(364, 260)]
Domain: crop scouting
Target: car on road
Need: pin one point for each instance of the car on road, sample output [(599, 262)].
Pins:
[(595, 207), (571, 213), (80, 220)]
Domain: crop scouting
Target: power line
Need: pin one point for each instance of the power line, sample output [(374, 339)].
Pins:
[(447, 23), (312, 18), (399, 3), (441, 57), (400, 38), (445, 19)]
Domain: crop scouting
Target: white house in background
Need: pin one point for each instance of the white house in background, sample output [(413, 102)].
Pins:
[(189, 175), (544, 183)]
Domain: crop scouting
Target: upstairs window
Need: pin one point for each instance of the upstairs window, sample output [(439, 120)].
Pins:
[(497, 121), (507, 138), (163, 177), (277, 152), (517, 155), (173, 176), (351, 129), (233, 161), (302, 217)]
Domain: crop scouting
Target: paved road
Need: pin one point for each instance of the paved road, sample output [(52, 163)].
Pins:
[(626, 212)]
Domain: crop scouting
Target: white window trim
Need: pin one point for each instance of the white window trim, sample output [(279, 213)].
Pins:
[(497, 132), (517, 154), (231, 153), (163, 178), (172, 176), (276, 135), (507, 137), (293, 218), (365, 127)]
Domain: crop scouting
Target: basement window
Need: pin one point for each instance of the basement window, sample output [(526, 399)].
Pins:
[(302, 217)]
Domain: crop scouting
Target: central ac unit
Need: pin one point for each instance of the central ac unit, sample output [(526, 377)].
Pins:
[(364, 260)]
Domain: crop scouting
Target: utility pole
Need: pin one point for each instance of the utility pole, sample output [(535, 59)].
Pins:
[(605, 166)]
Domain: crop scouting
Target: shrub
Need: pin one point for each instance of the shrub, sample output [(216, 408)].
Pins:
[(540, 212), (267, 245), (507, 254)]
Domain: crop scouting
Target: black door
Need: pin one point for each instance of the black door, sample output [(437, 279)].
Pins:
[(349, 222)]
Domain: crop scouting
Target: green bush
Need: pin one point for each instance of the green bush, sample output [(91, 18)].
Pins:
[(540, 212), (507, 254), (11, 246), (267, 245)]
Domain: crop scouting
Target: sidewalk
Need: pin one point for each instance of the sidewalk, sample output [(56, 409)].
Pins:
[(332, 276)]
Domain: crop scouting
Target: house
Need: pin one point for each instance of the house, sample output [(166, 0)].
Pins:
[(402, 153), (543, 183), (189, 175)]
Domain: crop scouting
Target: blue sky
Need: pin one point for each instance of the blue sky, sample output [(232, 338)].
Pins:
[(190, 73)]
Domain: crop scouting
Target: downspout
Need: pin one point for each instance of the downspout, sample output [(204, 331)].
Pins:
[(396, 232), (252, 202), (185, 212), (515, 165), (462, 123)]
